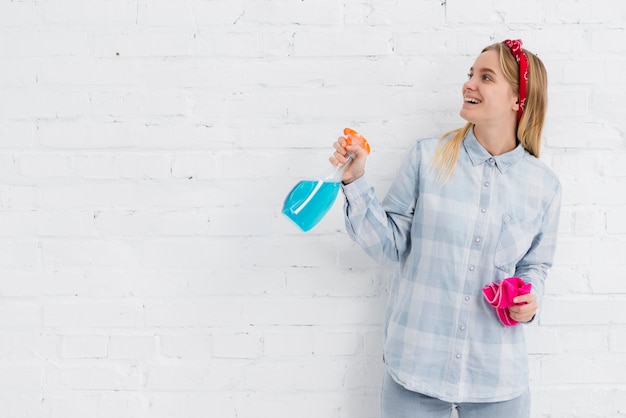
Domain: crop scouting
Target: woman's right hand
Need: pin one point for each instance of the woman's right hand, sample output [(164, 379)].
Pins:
[(343, 148)]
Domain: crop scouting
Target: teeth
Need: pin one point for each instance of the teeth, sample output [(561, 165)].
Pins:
[(471, 100)]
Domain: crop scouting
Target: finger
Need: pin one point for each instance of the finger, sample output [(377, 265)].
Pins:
[(342, 142), (523, 313), (521, 316), (527, 298), (341, 156), (521, 309)]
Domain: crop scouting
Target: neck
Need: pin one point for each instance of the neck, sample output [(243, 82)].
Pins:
[(495, 141)]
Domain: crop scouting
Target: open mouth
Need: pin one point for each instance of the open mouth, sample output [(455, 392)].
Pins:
[(471, 100)]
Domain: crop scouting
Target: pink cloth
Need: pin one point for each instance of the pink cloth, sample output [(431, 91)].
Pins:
[(501, 295)]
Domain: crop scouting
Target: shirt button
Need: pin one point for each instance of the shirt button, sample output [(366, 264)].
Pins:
[(471, 268), (477, 239), (458, 356), (467, 298), (486, 184), (491, 160), (462, 327), (483, 210)]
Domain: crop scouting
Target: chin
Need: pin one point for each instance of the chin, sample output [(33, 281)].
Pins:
[(465, 116)]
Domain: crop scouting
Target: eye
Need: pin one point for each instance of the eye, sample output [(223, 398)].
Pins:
[(469, 75), (486, 78)]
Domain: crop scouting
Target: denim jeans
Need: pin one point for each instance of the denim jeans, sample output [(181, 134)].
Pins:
[(398, 402)]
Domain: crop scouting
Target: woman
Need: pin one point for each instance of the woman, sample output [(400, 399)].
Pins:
[(467, 210)]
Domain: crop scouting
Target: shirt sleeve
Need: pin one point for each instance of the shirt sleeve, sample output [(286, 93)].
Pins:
[(383, 229), (534, 266)]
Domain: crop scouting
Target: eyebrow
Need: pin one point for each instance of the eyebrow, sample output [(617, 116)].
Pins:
[(485, 70)]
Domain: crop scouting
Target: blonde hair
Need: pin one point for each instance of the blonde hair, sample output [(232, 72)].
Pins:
[(530, 125)]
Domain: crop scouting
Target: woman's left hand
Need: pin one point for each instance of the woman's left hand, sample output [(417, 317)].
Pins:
[(525, 308)]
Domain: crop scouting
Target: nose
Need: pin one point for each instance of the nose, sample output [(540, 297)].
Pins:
[(469, 84)]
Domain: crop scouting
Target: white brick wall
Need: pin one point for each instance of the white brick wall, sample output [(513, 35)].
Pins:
[(145, 151)]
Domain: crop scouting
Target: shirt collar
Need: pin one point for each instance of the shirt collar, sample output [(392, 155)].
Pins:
[(479, 155)]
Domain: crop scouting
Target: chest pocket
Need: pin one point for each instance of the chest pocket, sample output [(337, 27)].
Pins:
[(516, 238)]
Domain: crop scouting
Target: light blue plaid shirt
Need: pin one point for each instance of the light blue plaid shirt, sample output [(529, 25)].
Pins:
[(496, 217)]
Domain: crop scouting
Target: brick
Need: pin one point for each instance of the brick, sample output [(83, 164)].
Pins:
[(113, 405), (44, 165), (566, 103), (185, 222), (107, 377), (156, 166), (365, 374), (193, 252), (99, 253), (63, 407), (288, 343), (157, 43), (568, 280), (613, 165), (252, 44), (615, 221), (21, 72), (336, 343), (195, 405), (284, 376), (582, 311), (174, 378), (197, 166), (163, 13), (595, 369), (226, 281), (605, 279), (185, 347), (368, 42), (570, 401), (91, 315), (285, 12), (20, 105), (16, 252), (328, 282), (64, 223), (83, 135), (145, 153), (241, 345), (84, 346), (617, 341), (16, 14), (310, 312), (44, 43), (16, 135), (609, 252), (20, 377), (218, 12), (106, 16), (201, 314), (582, 135), (573, 252), (21, 283), (127, 347), (20, 347)]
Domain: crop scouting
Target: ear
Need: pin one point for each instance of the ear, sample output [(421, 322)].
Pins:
[(515, 106)]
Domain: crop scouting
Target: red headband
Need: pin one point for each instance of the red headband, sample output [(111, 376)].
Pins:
[(516, 48)]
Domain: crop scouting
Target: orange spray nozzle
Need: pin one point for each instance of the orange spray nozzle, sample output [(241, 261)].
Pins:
[(352, 135)]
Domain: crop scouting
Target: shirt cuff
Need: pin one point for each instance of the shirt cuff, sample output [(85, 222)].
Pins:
[(357, 190)]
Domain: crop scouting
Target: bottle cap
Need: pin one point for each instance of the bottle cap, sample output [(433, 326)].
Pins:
[(352, 135)]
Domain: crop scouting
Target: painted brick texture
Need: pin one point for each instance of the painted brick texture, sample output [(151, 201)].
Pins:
[(146, 147)]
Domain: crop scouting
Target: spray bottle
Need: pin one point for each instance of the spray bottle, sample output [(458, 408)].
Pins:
[(309, 201)]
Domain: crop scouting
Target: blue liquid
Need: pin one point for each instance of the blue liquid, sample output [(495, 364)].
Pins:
[(309, 201)]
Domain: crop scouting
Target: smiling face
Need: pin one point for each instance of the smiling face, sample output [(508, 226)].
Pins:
[(488, 98)]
